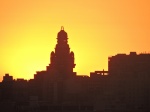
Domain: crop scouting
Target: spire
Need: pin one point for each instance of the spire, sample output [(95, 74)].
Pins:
[(62, 28)]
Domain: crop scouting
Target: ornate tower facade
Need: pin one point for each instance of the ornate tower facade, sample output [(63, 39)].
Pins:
[(62, 60)]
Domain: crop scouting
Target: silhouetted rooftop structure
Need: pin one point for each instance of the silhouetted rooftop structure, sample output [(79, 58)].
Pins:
[(7, 78), (135, 63)]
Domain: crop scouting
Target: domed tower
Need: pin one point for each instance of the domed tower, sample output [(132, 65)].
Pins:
[(62, 60)]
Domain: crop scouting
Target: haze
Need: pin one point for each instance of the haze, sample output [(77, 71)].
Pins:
[(96, 29)]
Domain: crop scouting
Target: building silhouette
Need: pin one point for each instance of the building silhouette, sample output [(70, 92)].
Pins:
[(123, 88), (62, 60)]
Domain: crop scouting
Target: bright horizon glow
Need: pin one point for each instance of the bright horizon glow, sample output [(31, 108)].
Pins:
[(96, 30)]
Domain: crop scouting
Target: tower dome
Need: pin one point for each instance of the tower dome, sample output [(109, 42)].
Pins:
[(62, 34), (62, 37)]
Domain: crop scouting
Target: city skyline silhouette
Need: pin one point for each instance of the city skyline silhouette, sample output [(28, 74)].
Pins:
[(74, 56), (124, 87)]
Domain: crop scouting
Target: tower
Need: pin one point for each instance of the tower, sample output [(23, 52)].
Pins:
[(62, 60)]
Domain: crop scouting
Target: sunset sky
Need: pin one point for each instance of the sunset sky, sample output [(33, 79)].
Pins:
[(96, 30)]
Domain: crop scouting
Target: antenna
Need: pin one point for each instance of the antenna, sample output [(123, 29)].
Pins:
[(62, 28)]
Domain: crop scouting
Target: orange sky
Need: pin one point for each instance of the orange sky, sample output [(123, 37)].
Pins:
[(96, 29)]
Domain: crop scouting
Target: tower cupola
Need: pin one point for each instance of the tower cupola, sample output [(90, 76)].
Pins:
[(62, 36)]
